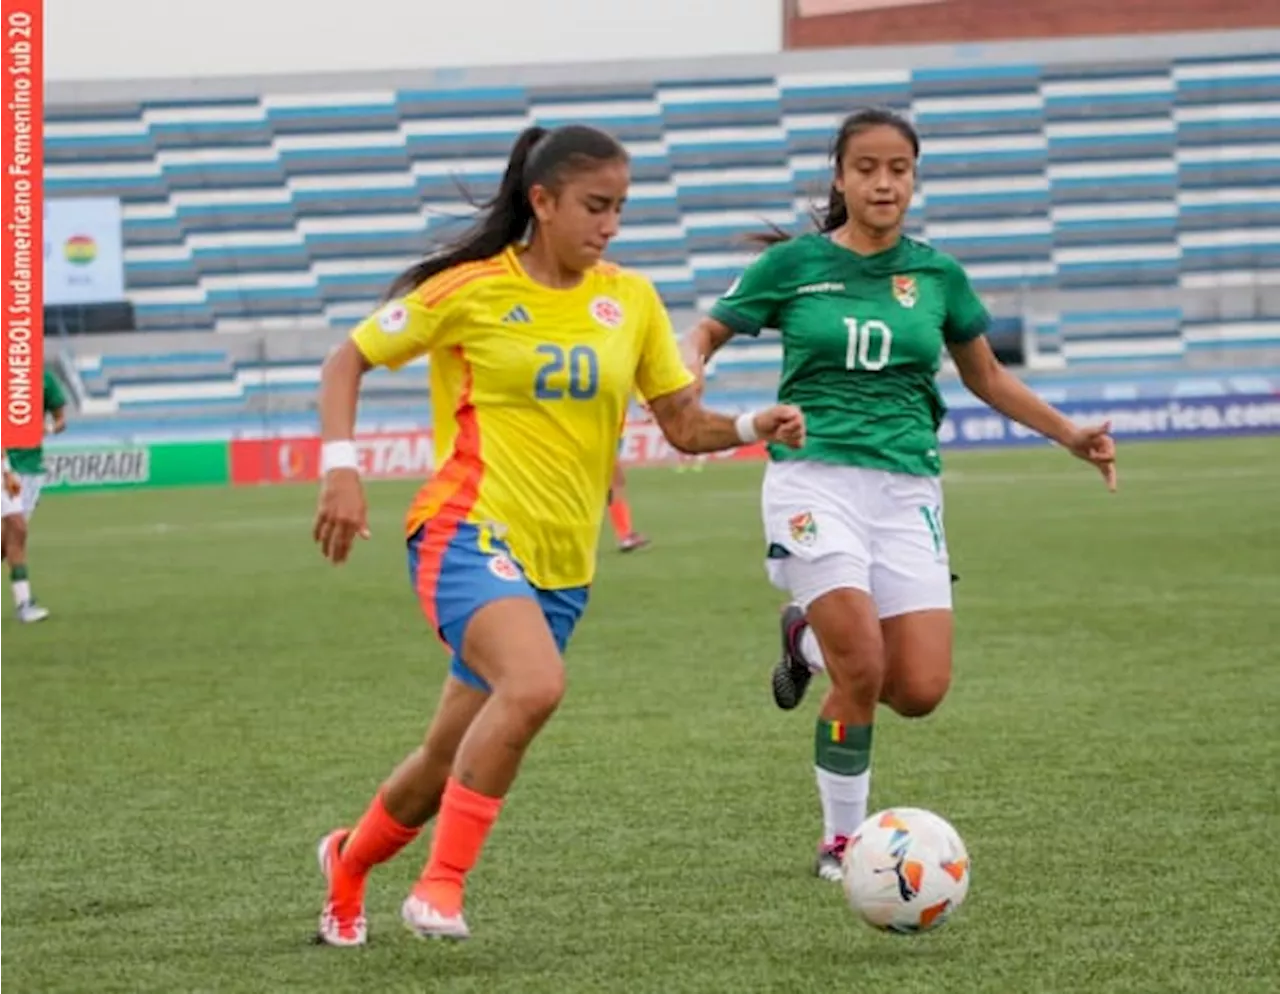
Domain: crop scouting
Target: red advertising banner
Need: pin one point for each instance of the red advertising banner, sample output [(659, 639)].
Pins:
[(386, 456), (275, 460), (21, 223), (410, 455)]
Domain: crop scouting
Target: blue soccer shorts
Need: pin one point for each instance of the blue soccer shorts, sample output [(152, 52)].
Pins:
[(456, 568)]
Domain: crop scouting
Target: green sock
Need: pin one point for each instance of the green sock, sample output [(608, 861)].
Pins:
[(842, 756), (840, 748), (21, 588)]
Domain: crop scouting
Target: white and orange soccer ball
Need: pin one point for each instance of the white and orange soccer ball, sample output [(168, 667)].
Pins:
[(906, 870)]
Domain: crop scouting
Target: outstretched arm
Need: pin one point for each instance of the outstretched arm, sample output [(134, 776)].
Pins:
[(692, 428), (988, 380), (342, 513)]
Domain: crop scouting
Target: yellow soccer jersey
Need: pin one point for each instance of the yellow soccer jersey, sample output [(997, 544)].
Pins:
[(529, 391)]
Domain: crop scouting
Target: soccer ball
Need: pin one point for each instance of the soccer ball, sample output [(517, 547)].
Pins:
[(905, 870)]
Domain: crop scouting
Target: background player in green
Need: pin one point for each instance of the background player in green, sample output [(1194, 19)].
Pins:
[(853, 519), (24, 478)]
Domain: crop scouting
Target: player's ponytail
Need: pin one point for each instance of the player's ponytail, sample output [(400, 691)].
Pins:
[(538, 156), (836, 212), (502, 220)]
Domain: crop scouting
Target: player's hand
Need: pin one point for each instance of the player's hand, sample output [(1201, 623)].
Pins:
[(1095, 445), (12, 485), (342, 514), (781, 423)]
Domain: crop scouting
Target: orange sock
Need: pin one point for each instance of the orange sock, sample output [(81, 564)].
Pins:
[(620, 515), (377, 837), (461, 828)]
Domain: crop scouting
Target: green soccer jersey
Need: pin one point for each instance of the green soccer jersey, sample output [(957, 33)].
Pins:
[(862, 340), (30, 462)]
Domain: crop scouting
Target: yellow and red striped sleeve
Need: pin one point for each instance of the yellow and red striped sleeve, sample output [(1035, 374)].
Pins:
[(420, 322)]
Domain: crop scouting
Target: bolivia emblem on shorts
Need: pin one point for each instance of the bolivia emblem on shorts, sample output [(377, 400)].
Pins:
[(904, 289), (503, 568), (803, 528), (607, 311)]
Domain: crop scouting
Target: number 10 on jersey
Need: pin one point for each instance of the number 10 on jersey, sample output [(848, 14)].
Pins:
[(869, 344)]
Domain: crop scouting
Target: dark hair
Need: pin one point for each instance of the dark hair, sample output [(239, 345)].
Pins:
[(836, 212), (538, 156)]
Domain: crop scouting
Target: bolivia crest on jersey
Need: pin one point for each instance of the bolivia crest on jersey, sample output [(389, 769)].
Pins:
[(904, 290)]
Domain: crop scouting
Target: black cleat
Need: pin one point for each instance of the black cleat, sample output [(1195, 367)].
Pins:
[(792, 674)]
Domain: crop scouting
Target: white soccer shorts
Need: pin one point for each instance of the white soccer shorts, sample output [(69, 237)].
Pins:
[(830, 527), (26, 501)]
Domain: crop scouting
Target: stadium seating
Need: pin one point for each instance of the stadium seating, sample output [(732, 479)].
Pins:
[(1137, 182)]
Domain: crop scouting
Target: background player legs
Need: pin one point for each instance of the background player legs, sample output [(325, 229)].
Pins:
[(620, 514), (15, 553), (848, 631)]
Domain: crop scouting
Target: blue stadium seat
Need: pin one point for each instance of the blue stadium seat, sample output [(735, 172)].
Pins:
[(1138, 173), (1138, 335)]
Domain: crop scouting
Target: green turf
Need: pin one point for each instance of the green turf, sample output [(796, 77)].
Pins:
[(210, 697)]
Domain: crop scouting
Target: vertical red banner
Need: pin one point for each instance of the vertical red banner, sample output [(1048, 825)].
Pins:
[(22, 183)]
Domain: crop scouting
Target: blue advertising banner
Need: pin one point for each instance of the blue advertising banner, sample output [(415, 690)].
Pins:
[(1199, 417)]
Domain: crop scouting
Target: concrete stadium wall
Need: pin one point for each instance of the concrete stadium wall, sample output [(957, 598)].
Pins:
[(135, 39)]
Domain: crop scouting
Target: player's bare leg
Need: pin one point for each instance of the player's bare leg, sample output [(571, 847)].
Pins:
[(847, 629), (917, 661), (509, 645), (407, 800)]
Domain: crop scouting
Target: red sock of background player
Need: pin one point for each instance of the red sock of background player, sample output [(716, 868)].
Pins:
[(620, 516)]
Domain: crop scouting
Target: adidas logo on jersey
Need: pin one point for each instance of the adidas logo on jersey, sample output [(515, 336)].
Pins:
[(518, 315)]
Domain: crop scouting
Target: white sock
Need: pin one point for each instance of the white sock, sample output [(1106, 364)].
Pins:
[(811, 651), (844, 802), (21, 592)]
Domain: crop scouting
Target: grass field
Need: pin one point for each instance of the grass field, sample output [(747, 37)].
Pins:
[(209, 698)]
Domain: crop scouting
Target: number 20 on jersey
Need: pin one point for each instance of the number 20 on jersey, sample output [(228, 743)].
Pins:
[(573, 373)]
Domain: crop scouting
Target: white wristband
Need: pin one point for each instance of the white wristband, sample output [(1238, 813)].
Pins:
[(338, 455), (746, 428)]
